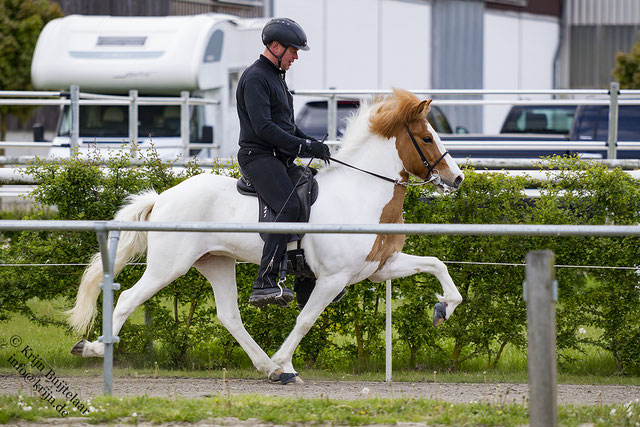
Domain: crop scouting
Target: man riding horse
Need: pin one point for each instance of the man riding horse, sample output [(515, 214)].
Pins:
[(269, 144)]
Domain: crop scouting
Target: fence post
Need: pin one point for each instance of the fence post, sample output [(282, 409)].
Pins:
[(108, 247), (74, 128), (133, 122), (184, 123), (541, 333), (612, 140), (332, 118), (388, 343)]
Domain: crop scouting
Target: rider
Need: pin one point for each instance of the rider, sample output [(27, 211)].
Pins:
[(270, 142)]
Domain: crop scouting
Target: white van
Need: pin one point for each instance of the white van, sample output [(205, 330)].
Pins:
[(157, 56)]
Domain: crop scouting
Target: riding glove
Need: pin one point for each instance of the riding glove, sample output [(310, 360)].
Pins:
[(318, 150)]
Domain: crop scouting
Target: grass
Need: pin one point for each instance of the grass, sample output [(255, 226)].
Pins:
[(53, 344), (283, 410), (593, 366)]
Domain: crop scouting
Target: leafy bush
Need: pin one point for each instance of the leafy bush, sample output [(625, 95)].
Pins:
[(488, 270)]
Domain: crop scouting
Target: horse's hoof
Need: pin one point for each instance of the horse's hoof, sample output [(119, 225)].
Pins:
[(77, 349), (439, 313), (287, 378), (275, 375)]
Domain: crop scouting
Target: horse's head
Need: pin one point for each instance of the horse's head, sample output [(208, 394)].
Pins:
[(404, 117)]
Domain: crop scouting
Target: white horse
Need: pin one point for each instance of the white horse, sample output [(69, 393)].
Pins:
[(389, 138)]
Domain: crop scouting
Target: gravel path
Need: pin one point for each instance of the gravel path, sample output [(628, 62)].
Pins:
[(449, 392)]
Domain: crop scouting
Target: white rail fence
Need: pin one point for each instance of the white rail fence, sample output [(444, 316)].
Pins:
[(539, 293), (74, 98), (613, 95)]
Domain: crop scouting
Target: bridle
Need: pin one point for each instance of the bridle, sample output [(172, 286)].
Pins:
[(433, 176), (432, 172)]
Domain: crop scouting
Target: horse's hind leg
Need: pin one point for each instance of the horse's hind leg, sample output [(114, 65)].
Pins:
[(403, 265), (157, 275), (220, 271)]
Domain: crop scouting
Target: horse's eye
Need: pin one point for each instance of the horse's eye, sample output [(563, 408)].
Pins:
[(427, 140)]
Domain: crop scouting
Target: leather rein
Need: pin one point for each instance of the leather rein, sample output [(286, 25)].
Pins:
[(432, 172)]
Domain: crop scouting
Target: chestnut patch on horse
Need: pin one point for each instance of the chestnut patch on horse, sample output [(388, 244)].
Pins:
[(386, 245)]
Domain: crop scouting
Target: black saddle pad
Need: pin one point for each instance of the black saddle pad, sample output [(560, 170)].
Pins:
[(306, 191)]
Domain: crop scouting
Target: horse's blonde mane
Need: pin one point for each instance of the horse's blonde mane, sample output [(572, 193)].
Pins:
[(400, 108), (357, 130), (380, 118)]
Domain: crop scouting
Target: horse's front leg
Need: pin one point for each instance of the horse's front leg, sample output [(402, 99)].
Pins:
[(403, 265), (326, 289), (221, 273)]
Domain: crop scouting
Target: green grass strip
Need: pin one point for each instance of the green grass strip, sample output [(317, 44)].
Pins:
[(283, 410)]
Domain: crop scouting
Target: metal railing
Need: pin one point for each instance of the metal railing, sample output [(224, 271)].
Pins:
[(108, 233), (615, 98), (76, 98), (613, 94), (539, 289)]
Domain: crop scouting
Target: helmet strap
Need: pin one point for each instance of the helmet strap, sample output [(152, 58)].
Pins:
[(279, 58)]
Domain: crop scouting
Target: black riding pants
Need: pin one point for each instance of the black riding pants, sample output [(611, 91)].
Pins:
[(269, 175)]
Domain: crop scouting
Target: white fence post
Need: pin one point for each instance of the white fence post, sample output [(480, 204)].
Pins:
[(108, 254), (184, 123), (388, 342), (612, 140), (74, 129), (133, 122), (541, 333), (332, 118)]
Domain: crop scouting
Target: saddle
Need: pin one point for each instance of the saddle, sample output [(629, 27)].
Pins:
[(306, 190)]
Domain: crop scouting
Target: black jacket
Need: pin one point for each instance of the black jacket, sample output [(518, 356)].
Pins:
[(265, 110)]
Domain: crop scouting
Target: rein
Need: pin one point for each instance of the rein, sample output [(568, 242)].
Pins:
[(432, 172), (394, 181)]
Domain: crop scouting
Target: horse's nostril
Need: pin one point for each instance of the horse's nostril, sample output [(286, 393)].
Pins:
[(458, 180)]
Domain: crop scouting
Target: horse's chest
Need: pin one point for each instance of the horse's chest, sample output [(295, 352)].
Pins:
[(386, 245)]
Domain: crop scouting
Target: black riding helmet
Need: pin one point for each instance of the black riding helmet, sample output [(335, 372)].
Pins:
[(285, 31)]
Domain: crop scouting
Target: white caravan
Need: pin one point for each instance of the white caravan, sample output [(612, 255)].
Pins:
[(157, 56)]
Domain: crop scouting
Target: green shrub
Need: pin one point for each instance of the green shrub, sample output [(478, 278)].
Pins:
[(492, 317)]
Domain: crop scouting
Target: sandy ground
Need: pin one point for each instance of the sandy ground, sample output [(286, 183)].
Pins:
[(448, 392)]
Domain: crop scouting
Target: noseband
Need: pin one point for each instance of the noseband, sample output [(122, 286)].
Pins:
[(432, 172)]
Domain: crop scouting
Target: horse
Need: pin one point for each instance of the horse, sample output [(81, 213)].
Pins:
[(385, 142)]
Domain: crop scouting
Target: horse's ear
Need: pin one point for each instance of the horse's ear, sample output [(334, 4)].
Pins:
[(423, 108)]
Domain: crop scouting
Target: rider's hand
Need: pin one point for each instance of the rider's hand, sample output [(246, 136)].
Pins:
[(319, 150)]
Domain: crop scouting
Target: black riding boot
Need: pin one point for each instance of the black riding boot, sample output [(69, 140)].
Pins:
[(268, 288)]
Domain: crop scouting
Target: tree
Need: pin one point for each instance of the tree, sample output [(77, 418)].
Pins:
[(627, 70), (20, 24)]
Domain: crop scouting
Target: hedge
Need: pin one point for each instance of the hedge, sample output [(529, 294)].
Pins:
[(491, 317)]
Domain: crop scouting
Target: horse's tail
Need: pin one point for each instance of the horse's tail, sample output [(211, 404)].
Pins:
[(131, 244)]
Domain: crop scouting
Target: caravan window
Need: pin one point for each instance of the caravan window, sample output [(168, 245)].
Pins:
[(214, 47), (113, 121)]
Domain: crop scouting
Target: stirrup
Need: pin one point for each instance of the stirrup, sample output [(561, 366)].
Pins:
[(280, 299)]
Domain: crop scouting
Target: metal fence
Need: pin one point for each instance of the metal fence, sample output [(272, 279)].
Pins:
[(108, 234), (74, 99), (538, 292), (612, 99)]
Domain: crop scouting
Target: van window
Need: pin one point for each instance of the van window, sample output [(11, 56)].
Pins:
[(550, 119), (213, 52)]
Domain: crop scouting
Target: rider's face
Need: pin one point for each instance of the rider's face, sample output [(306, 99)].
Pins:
[(290, 55)]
